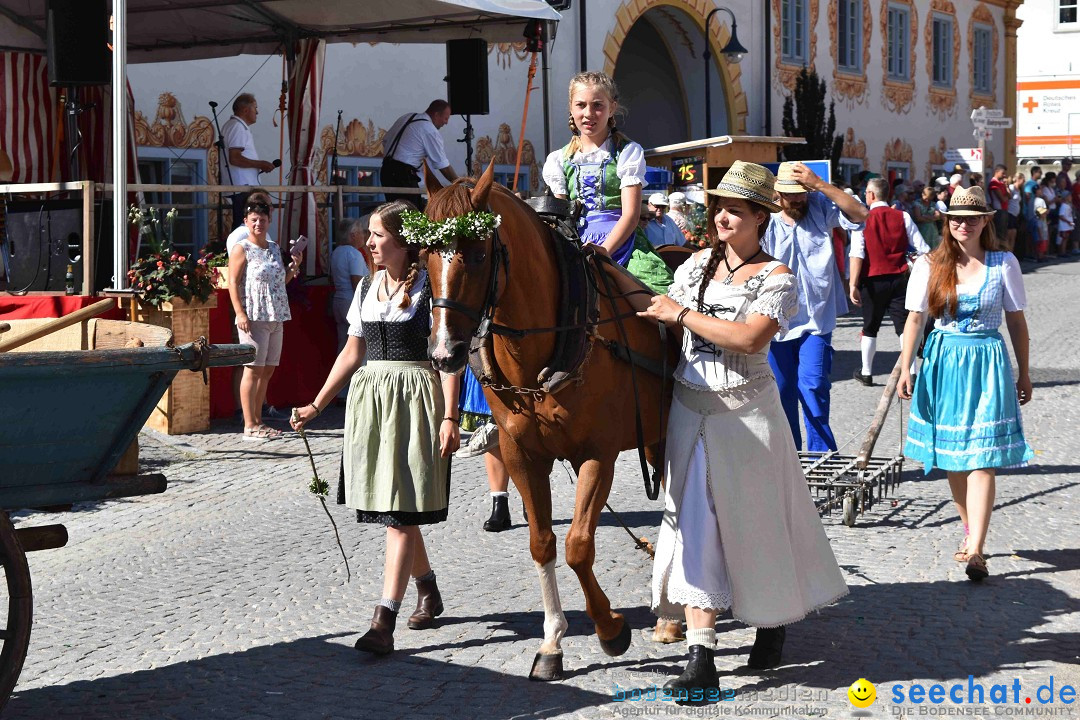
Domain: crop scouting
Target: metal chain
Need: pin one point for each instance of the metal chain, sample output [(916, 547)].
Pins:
[(537, 393)]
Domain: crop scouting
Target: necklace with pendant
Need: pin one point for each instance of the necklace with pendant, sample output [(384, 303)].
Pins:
[(731, 272)]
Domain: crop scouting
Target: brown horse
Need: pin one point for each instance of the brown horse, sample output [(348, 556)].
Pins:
[(587, 423)]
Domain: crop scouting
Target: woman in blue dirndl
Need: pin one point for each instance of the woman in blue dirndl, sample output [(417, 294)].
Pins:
[(965, 408)]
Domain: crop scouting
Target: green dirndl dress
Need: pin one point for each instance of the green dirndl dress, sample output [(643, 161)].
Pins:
[(392, 473)]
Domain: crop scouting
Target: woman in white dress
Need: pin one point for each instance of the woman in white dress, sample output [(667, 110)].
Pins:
[(739, 530)]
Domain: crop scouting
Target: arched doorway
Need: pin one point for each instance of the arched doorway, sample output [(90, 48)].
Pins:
[(660, 71)]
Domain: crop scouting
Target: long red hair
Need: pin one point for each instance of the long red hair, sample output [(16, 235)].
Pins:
[(943, 260)]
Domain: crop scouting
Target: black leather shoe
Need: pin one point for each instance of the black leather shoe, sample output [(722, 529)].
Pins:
[(428, 605), (867, 380), (768, 648), (700, 673), (380, 638), (500, 514)]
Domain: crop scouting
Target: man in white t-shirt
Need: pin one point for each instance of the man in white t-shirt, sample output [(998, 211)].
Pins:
[(244, 165), (412, 139)]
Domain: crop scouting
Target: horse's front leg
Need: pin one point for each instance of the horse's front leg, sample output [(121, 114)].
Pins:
[(531, 477), (594, 484)]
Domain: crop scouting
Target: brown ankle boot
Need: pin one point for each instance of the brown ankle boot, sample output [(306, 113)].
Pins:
[(380, 638), (428, 605)]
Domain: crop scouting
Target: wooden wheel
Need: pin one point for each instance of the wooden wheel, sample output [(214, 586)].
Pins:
[(20, 608)]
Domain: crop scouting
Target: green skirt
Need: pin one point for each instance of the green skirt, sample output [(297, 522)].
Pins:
[(647, 265), (392, 472)]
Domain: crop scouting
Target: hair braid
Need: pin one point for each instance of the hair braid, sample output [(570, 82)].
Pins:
[(410, 278), (710, 269)]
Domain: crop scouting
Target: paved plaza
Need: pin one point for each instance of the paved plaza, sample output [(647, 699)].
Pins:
[(226, 596)]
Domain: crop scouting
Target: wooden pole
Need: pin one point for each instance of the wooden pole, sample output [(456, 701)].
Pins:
[(880, 414), (88, 237), (524, 120), (60, 323)]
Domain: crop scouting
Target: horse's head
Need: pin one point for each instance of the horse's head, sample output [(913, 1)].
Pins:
[(467, 272)]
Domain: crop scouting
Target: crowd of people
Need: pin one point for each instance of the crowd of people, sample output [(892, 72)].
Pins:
[(755, 307)]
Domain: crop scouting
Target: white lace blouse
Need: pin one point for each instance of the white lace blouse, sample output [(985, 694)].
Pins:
[(704, 366)]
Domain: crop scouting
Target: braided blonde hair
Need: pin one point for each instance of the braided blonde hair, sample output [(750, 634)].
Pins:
[(604, 82), (390, 215)]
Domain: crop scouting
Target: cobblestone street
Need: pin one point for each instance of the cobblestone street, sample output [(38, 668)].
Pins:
[(225, 597)]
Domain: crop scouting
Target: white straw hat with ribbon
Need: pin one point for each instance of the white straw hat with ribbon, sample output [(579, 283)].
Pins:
[(748, 181)]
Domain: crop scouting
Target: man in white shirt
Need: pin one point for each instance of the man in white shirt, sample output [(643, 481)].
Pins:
[(412, 139), (879, 269), (662, 230), (244, 165)]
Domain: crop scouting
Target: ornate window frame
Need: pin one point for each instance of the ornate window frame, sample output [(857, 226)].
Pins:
[(898, 95), (851, 84), (982, 16), (786, 70), (942, 99)]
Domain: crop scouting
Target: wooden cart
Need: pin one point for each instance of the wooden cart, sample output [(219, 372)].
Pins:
[(71, 405)]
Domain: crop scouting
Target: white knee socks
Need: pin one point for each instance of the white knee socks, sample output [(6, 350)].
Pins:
[(869, 347)]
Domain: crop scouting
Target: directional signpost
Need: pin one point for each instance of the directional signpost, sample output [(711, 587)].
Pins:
[(986, 120)]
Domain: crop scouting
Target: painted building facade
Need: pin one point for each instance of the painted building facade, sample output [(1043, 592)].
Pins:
[(904, 76)]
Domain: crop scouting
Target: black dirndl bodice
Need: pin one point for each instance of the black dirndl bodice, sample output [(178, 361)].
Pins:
[(399, 341)]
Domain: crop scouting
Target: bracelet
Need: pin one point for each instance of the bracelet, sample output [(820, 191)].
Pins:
[(451, 419), (315, 407), (682, 315)]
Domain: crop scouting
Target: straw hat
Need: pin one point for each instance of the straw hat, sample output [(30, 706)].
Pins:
[(785, 179), (748, 181), (968, 201)]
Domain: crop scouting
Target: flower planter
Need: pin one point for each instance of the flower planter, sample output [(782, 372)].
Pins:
[(185, 406)]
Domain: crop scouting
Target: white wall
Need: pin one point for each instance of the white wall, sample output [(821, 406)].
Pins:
[(1042, 47)]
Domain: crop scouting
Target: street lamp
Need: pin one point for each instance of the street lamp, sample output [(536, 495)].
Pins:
[(733, 51)]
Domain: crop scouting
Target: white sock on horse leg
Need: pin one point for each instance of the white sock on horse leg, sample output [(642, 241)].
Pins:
[(554, 621), (702, 636), (869, 348), (502, 493)]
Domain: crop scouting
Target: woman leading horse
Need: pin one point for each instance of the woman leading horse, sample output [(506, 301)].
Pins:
[(510, 276)]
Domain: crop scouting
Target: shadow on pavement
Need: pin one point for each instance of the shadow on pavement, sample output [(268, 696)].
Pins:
[(888, 632), (316, 677)]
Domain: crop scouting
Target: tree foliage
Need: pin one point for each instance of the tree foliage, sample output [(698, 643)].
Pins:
[(805, 116)]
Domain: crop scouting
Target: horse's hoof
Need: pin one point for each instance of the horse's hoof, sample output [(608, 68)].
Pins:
[(668, 631), (547, 667), (618, 644)]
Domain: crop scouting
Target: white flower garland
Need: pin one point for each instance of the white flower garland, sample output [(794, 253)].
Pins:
[(417, 229)]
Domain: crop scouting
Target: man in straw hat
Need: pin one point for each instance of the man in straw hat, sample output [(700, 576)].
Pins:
[(799, 236), (879, 270)]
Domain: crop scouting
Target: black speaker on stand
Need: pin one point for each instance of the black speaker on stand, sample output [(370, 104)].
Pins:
[(467, 85), (77, 39)]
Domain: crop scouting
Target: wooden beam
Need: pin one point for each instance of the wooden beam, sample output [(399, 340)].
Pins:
[(42, 537)]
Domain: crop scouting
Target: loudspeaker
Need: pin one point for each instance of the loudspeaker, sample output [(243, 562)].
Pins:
[(467, 76), (42, 240), (77, 37)]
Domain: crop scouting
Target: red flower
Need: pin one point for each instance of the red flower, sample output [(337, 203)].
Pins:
[(160, 264), (180, 259)]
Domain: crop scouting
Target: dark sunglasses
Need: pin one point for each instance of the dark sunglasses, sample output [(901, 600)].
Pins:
[(257, 207)]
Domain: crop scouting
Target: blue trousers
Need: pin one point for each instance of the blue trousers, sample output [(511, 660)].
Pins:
[(802, 368)]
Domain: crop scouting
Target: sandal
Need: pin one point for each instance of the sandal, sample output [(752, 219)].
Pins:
[(259, 433), (962, 555), (976, 568)]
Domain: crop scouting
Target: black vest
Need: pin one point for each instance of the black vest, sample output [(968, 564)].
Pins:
[(407, 340)]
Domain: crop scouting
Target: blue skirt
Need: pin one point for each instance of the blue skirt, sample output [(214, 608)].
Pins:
[(964, 411), (474, 408), (596, 225)]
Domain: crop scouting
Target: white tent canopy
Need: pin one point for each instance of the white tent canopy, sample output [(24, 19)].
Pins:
[(163, 30)]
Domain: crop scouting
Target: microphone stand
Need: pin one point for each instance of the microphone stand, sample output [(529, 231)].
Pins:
[(468, 144), (333, 162), (220, 144)]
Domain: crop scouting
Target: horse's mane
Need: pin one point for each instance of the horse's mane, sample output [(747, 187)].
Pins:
[(454, 200)]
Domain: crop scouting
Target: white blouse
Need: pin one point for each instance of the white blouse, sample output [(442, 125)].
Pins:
[(704, 366), (630, 167), (372, 309), (1013, 296)]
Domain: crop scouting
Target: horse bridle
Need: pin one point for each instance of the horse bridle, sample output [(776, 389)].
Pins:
[(485, 315)]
